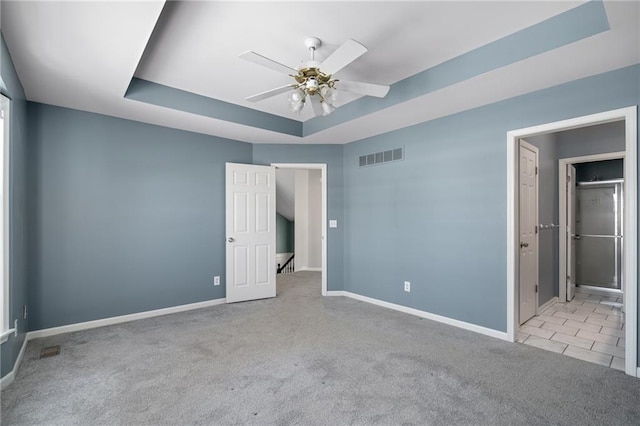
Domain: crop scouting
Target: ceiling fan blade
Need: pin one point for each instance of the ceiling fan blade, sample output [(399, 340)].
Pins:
[(369, 89), (257, 58), (343, 56), (315, 103), (270, 93)]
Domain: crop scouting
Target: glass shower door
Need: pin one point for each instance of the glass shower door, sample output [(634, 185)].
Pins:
[(598, 248)]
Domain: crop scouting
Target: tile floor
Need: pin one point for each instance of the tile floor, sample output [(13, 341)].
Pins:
[(584, 328)]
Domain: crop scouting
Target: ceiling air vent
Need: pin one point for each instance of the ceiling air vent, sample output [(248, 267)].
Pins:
[(396, 154)]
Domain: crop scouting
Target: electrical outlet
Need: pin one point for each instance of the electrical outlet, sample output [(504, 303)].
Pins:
[(407, 286), (216, 280)]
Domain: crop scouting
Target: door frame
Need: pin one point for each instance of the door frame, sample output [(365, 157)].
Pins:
[(629, 116), (523, 142), (323, 184), (562, 210)]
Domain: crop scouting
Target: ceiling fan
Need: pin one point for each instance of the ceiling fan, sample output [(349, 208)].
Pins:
[(314, 81)]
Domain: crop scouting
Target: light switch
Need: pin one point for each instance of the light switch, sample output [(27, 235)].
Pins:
[(333, 223)]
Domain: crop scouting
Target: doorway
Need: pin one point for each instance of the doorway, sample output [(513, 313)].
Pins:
[(312, 176), (600, 198), (629, 118)]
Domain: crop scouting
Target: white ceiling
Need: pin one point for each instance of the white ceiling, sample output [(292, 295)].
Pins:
[(83, 55)]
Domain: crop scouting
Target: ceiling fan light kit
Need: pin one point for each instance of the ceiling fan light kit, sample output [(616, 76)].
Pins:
[(313, 84)]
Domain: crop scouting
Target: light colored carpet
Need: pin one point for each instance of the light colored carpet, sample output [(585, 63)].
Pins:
[(303, 359)]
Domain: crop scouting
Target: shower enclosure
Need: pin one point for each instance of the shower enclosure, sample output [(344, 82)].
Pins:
[(599, 234)]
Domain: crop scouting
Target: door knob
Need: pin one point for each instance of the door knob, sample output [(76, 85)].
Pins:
[(524, 245), (230, 239)]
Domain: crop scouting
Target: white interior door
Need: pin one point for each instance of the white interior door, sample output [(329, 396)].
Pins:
[(528, 183), (251, 232), (571, 232)]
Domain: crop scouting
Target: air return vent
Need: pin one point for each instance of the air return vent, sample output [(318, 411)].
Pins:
[(50, 351), (396, 154)]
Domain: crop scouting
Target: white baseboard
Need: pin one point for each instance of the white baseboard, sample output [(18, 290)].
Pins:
[(547, 304), (434, 317), (123, 318), (307, 268), (335, 293), (10, 376)]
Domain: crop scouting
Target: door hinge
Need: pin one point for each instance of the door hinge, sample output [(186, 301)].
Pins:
[(569, 178), (536, 229), (536, 169), (536, 288)]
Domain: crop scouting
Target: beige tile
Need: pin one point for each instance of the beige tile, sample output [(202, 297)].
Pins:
[(587, 355), (597, 315), (548, 311), (612, 332), (521, 337), (583, 325), (621, 343), (602, 338), (534, 322), (560, 328), (608, 349), (603, 309), (565, 308), (545, 344), (573, 340), (617, 363), (584, 310), (534, 331), (551, 318), (581, 318), (615, 315), (604, 323)]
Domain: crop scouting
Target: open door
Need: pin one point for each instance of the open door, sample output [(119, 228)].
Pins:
[(571, 232), (528, 230), (250, 232)]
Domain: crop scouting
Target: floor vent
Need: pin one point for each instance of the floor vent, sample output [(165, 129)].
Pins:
[(50, 351), (388, 156)]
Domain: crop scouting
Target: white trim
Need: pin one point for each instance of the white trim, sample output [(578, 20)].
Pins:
[(335, 293), (422, 314), (5, 107), (562, 210), (122, 318), (548, 303), (306, 268), (4, 336), (629, 115), (10, 376), (323, 172)]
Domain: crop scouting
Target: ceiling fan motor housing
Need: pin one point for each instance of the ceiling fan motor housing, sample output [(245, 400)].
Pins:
[(312, 79)]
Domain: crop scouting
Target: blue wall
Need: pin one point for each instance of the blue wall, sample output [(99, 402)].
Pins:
[(438, 218), (332, 156), (127, 217), (18, 293), (284, 234)]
